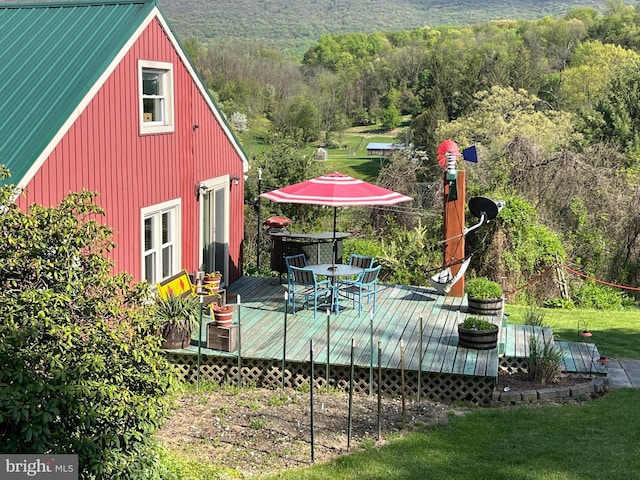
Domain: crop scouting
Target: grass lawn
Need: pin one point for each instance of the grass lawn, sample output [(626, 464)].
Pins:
[(616, 333), (350, 158), (594, 440), (363, 168)]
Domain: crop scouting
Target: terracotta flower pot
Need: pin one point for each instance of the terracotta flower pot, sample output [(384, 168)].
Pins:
[(212, 284), (223, 316)]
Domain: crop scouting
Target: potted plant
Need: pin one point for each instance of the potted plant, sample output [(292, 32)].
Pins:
[(178, 315), (484, 296), (478, 334), (211, 281), (222, 313)]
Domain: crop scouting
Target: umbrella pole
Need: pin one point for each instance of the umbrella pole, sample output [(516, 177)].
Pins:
[(335, 246)]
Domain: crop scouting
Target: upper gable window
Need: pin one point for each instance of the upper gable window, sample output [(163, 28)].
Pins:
[(156, 97)]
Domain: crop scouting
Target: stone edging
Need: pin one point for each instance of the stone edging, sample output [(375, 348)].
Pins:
[(573, 393)]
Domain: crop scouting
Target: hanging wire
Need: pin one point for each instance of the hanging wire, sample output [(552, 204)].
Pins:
[(531, 281), (537, 277), (580, 274)]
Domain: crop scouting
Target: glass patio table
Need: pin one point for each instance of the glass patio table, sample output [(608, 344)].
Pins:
[(334, 272)]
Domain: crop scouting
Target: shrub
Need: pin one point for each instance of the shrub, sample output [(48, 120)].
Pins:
[(406, 255), (81, 366), (600, 297), (483, 288), (563, 303)]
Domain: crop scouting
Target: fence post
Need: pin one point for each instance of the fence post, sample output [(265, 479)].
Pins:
[(402, 382), (284, 342), (328, 365), (201, 299), (370, 353), (239, 344), (420, 353), (379, 390), (311, 387), (350, 415)]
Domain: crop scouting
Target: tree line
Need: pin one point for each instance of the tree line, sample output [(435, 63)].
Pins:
[(551, 104)]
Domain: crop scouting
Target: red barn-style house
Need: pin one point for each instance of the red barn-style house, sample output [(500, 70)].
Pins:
[(101, 96)]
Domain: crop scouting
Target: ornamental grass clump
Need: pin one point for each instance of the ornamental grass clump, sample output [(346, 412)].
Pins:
[(544, 361), (534, 316), (177, 312)]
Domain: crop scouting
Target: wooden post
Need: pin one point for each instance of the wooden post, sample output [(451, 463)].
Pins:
[(454, 230)]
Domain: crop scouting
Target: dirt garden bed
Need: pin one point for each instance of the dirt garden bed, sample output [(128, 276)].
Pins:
[(259, 431)]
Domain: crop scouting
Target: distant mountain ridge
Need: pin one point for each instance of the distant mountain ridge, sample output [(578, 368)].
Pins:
[(292, 26)]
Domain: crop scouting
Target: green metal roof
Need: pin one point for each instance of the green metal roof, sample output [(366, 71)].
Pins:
[(51, 55)]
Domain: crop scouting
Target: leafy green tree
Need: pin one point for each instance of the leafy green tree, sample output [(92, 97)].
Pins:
[(285, 163), (390, 118), (586, 81), (80, 366), (499, 116), (302, 121), (424, 128), (618, 112), (619, 25)]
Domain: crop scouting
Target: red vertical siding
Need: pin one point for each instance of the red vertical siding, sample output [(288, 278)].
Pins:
[(104, 152)]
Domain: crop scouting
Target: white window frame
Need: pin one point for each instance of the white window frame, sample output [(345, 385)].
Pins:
[(173, 207), (166, 97)]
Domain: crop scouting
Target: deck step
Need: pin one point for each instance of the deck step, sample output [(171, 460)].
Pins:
[(577, 357)]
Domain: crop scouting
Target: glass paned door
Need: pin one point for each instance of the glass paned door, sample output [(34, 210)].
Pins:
[(214, 232)]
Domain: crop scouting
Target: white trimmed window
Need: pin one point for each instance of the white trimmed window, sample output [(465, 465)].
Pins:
[(161, 241), (155, 87)]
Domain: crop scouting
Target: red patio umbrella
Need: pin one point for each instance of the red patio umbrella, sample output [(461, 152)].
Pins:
[(336, 190)]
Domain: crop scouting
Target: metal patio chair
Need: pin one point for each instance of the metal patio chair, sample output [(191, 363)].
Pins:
[(361, 261), (300, 261), (305, 282), (366, 287)]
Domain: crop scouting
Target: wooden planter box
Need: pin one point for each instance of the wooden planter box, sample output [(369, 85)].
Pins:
[(220, 338), (482, 306), (478, 339), (176, 339)]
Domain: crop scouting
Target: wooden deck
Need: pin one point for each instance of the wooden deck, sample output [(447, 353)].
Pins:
[(444, 371), (396, 321)]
